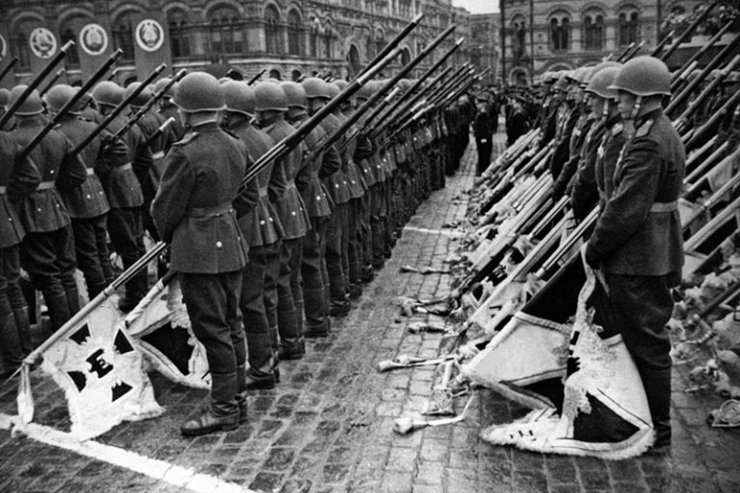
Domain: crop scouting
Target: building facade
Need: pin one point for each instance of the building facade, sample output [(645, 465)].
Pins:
[(289, 38), (542, 35), (484, 45)]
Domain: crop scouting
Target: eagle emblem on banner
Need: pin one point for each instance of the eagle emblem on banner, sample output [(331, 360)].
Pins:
[(93, 39), (43, 43), (149, 35)]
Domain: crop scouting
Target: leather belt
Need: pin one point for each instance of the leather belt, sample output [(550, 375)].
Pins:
[(659, 207), (158, 155), (211, 211), (90, 171), (262, 191), (3, 190), (123, 168), (45, 185)]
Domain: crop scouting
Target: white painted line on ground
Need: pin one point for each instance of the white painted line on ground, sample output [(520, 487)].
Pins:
[(444, 232), (180, 477)]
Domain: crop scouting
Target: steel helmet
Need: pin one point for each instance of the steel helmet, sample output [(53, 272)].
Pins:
[(269, 96), (316, 88), (404, 84), (142, 98), (239, 97), (4, 96), (30, 106), (59, 95), (295, 94), (107, 93), (368, 89), (333, 90), (601, 81), (732, 78), (644, 76), (590, 71), (341, 84), (159, 85), (199, 91)]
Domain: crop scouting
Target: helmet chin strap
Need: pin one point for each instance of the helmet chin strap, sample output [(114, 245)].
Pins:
[(605, 111), (636, 108)]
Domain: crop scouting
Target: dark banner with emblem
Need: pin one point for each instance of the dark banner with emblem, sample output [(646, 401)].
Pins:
[(151, 42), (94, 45), (43, 45)]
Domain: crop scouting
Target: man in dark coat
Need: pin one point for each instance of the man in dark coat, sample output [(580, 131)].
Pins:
[(193, 211)]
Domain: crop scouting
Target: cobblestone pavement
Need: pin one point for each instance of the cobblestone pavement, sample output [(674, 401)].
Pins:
[(328, 426)]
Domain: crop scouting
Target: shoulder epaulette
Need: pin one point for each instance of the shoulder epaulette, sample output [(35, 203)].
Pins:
[(644, 129), (189, 137), (617, 129)]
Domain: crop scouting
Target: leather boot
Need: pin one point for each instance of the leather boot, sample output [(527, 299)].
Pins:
[(221, 413), (291, 349), (658, 389), (23, 324), (262, 362), (355, 291), (339, 308), (58, 310), (241, 393), (73, 300), (316, 317), (10, 345)]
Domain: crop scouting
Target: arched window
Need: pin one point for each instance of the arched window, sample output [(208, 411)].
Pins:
[(519, 41), (627, 32), (405, 57), (327, 44), (593, 28), (123, 36), (20, 48), (559, 33), (379, 41), (67, 33), (295, 33), (227, 31), (179, 33), (273, 34), (314, 41)]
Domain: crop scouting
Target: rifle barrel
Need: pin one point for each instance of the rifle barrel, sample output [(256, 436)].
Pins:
[(36, 82), (8, 67), (689, 30), (392, 45)]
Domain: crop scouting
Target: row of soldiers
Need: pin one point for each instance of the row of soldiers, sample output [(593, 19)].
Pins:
[(611, 144), (266, 262)]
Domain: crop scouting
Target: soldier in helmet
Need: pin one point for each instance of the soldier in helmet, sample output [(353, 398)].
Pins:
[(18, 178), (88, 204), (193, 211), (47, 252), (271, 104), (168, 109), (261, 228), (125, 225), (4, 98), (637, 241), (318, 204), (336, 183)]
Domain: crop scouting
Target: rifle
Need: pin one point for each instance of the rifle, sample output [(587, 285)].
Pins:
[(341, 129), (678, 79), (659, 47), (113, 73), (53, 81), (149, 104), (70, 104), (36, 82), (118, 109), (682, 122), (160, 130), (8, 67), (708, 125), (729, 49), (634, 52), (698, 54), (689, 30), (288, 143), (390, 46), (256, 77), (621, 57)]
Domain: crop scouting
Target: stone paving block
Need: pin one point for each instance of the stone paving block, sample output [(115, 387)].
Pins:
[(429, 472), (396, 482), (433, 449), (529, 481), (402, 459)]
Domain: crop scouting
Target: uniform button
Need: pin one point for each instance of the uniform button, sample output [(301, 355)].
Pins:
[(262, 222), (336, 186), (318, 197), (353, 182), (219, 244), (88, 196), (38, 210), (271, 220), (51, 172), (292, 213)]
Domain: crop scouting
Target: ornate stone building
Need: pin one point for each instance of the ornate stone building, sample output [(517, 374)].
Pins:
[(542, 35), (290, 38), (484, 44)]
